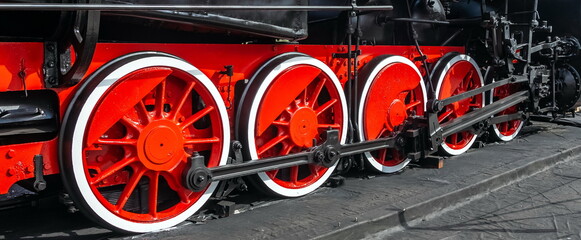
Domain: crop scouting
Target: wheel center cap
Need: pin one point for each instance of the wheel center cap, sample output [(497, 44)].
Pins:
[(396, 114), (160, 146), (303, 127)]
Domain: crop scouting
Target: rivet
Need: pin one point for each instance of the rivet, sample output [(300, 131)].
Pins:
[(11, 172), (11, 153)]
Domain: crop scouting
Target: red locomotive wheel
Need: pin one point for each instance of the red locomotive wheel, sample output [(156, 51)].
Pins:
[(392, 90), (455, 74), (128, 135), (289, 103), (506, 131)]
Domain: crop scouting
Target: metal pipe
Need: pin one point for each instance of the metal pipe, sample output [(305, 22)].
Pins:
[(452, 37), (448, 22), (150, 7)]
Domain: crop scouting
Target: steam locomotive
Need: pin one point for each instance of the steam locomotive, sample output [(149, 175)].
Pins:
[(141, 112)]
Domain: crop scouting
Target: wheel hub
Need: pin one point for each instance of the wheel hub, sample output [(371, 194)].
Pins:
[(396, 114), (160, 145), (303, 127)]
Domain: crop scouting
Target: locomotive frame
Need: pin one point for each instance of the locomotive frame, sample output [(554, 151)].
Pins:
[(442, 104)]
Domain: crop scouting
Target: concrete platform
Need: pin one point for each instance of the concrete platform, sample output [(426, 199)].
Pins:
[(362, 207)]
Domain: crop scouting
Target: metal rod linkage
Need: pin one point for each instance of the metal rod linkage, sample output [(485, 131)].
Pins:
[(488, 87), (471, 118)]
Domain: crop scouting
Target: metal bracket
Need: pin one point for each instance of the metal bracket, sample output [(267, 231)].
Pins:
[(198, 177), (39, 182), (228, 186), (50, 67), (83, 38), (81, 34)]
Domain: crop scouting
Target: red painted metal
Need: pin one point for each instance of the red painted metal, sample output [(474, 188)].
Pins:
[(297, 107), (23, 63), (394, 94), (145, 128)]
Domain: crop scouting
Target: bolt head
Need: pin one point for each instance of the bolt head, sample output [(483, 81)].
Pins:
[(11, 153), (200, 179)]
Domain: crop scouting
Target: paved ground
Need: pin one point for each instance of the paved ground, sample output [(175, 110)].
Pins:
[(544, 206), (364, 206)]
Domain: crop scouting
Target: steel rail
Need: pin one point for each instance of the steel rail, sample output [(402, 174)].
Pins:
[(152, 7)]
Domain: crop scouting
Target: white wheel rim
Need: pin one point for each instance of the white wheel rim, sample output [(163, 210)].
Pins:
[(299, 60), (79, 134), (449, 64), (500, 136), (380, 66)]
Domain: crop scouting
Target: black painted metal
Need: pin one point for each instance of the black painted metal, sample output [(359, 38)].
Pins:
[(471, 118), (326, 154), (39, 182), (28, 117), (82, 36), (485, 88), (506, 118), (153, 7)]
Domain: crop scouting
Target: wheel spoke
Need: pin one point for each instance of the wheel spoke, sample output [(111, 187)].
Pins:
[(153, 192), (294, 174), (317, 91), (314, 169), (141, 110), (475, 105), (112, 169), (280, 123), (412, 105), (454, 138), (383, 131), (160, 99), (201, 140), (325, 106), (129, 187), (270, 144), (126, 121), (285, 151), (383, 155), (468, 83), (123, 142), (333, 126), (445, 115), (197, 116), (182, 99), (505, 126), (174, 184)]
